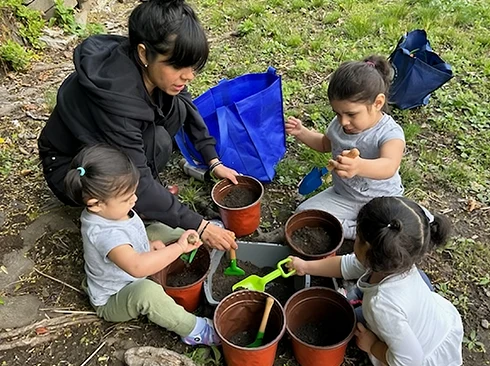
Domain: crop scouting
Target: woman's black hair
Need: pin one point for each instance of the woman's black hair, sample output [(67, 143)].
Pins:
[(361, 81), (101, 172), (169, 27), (398, 233)]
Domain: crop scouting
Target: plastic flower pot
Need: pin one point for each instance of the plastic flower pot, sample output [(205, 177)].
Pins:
[(242, 311), (314, 218), (242, 220), (188, 296), (318, 305)]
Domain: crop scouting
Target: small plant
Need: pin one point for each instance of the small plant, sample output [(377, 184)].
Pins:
[(473, 344), (190, 193), (65, 18), (246, 27), (206, 355), (16, 55)]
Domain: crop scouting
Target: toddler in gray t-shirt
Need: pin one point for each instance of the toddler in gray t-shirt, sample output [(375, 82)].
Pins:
[(118, 254), (357, 93)]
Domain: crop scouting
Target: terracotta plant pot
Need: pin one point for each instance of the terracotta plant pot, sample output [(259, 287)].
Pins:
[(319, 305), (315, 218), (242, 311), (242, 220), (188, 296)]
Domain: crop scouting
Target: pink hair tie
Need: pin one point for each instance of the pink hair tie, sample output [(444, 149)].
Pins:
[(370, 63)]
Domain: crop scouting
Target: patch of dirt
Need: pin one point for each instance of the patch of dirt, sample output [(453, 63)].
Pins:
[(280, 288), (243, 339), (318, 333), (312, 240), (190, 274), (239, 197)]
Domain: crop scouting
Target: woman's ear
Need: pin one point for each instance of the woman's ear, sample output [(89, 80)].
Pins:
[(142, 54), (380, 101), (93, 205)]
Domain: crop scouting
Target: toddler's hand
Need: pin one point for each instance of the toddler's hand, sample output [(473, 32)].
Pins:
[(157, 245), (189, 241), (297, 264), (364, 338), (347, 164), (293, 126)]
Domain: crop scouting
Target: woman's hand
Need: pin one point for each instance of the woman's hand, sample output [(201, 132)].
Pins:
[(365, 339), (297, 264), (219, 238), (293, 126), (222, 171), (157, 245), (189, 241)]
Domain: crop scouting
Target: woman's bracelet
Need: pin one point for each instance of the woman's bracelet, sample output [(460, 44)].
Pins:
[(214, 165), (204, 228)]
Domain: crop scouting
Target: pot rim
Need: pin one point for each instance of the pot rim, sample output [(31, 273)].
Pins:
[(290, 242), (333, 346), (223, 181), (264, 346)]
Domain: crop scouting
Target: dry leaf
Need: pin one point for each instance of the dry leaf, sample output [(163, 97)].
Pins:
[(25, 172), (4, 269), (41, 330), (473, 205), (23, 151)]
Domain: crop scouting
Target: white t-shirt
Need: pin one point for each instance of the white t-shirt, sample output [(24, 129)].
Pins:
[(420, 327), (100, 236)]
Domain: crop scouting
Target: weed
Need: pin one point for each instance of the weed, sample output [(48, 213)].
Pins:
[(17, 56), (65, 18), (472, 343), (206, 355), (190, 193)]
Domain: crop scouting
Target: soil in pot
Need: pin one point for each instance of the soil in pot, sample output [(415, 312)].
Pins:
[(280, 288), (318, 333), (190, 275), (239, 197), (313, 240), (243, 339)]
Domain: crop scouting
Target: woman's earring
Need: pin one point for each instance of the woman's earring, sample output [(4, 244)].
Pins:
[(146, 65)]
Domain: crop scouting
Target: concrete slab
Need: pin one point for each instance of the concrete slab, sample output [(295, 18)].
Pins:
[(19, 311), (16, 264)]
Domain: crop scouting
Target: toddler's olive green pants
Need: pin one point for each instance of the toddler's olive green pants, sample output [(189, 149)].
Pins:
[(145, 297)]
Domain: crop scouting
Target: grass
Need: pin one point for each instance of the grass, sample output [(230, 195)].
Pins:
[(305, 40), (448, 141)]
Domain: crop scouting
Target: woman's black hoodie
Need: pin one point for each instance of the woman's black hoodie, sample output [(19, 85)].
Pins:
[(105, 101)]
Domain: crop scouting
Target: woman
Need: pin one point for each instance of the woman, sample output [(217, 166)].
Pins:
[(132, 93)]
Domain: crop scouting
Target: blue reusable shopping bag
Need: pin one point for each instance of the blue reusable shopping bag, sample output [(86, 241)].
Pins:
[(245, 115), (418, 71)]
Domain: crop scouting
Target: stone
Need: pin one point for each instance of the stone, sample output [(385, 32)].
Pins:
[(152, 356), (16, 264), (485, 324), (19, 311)]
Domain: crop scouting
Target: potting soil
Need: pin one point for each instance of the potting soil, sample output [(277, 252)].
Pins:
[(319, 333), (239, 197), (189, 275), (280, 288), (244, 338), (313, 240)]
